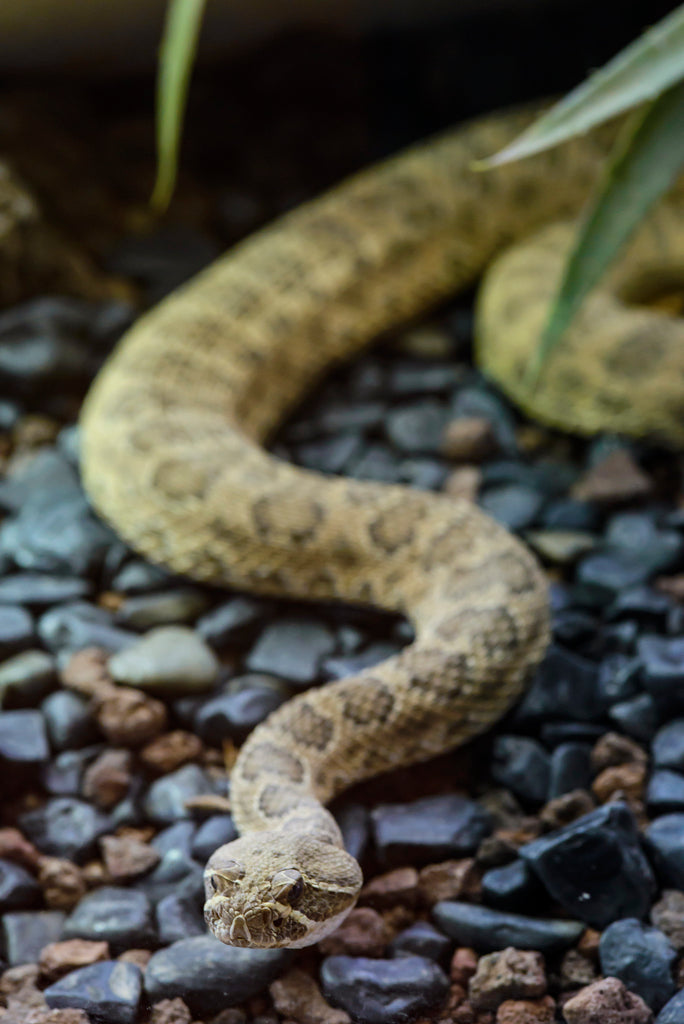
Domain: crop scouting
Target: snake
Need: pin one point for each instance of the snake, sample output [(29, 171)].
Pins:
[(175, 431)]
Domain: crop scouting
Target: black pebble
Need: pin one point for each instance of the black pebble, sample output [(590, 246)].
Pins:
[(26, 932), (487, 930), (422, 939), (383, 991), (19, 890), (212, 833), (428, 830), (210, 976), (522, 765), (178, 917), (109, 992), (665, 843), (64, 827), (513, 887), (595, 867), (121, 917), (641, 957), (23, 740)]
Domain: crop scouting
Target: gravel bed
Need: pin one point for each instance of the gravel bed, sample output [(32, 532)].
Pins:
[(536, 876)]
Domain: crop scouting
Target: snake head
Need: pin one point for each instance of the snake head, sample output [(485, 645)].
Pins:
[(278, 888)]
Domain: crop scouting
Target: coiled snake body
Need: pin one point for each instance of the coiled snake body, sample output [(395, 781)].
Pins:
[(173, 430)]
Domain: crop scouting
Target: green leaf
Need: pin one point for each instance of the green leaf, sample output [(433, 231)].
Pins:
[(641, 71), (644, 164), (176, 57)]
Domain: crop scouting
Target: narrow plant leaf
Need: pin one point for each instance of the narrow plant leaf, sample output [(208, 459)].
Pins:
[(644, 164), (176, 57), (652, 63)]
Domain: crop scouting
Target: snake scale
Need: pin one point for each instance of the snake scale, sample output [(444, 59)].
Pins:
[(173, 457)]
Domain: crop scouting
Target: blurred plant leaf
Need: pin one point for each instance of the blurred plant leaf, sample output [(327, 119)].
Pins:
[(644, 164), (176, 56), (652, 63)]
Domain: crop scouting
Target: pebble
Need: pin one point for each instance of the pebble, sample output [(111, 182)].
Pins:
[(522, 765), (165, 799), (595, 868), (668, 916), (76, 625), (613, 479), (331, 454), (606, 1002), (178, 917), (169, 659), (171, 606), (210, 976), (109, 992), (527, 1011), (212, 833), (638, 717), (429, 829), (297, 997), (343, 665), (665, 792), (362, 933), (422, 939), (570, 769), (417, 426), (23, 739), (63, 883), (16, 629), (508, 974), (490, 930), (292, 649), (177, 837), (64, 827), (354, 824), (665, 843), (515, 506), (59, 958), (478, 402), (69, 721), (121, 917), (383, 991), (26, 678), (470, 439), (126, 857), (231, 622), (139, 577), (662, 659), (448, 880), (668, 746), (565, 686), (42, 589), (19, 890), (170, 751), (26, 932), (56, 533), (244, 703), (641, 957), (513, 887), (673, 1011), (560, 546), (376, 462), (176, 873)]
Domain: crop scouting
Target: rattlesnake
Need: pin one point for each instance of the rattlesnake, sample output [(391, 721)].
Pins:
[(173, 430)]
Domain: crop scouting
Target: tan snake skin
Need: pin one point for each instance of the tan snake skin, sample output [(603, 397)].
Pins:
[(172, 456)]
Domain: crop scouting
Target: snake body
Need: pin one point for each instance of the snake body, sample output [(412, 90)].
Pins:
[(173, 457)]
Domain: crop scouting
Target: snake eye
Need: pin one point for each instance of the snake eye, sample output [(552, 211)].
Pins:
[(228, 873), (287, 885)]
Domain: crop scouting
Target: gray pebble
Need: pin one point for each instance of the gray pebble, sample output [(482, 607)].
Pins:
[(292, 649), (172, 659), (145, 611), (25, 678), (121, 917), (108, 992)]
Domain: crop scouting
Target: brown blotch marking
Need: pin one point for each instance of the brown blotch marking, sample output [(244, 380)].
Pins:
[(391, 531), (311, 729), (280, 512), (270, 757), (643, 346), (180, 478), (371, 701), (276, 800)]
